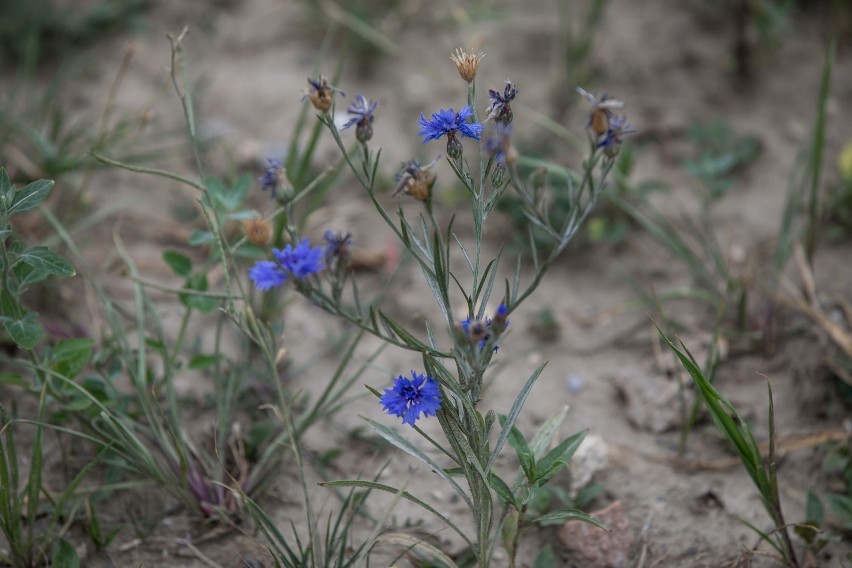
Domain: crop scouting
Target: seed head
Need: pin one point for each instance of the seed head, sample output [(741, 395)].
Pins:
[(416, 180), (258, 231), (466, 63), (321, 93)]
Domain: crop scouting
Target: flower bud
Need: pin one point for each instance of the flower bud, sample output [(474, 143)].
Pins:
[(454, 148)]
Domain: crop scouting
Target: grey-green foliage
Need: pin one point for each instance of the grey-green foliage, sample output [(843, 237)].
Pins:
[(22, 266)]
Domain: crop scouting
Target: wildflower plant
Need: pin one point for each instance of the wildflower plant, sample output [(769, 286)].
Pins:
[(449, 386)]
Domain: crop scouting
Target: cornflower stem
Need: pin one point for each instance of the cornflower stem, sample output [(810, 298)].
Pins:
[(178, 343)]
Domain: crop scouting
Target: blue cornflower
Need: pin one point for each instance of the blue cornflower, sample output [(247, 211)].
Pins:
[(448, 122), (362, 115), (409, 397), (297, 262), (338, 245), (274, 177), (611, 142), (500, 108)]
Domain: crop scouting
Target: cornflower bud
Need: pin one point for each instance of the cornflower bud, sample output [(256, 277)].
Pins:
[(362, 118), (466, 63), (454, 147)]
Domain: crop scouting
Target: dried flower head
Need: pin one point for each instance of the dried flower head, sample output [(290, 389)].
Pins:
[(408, 398), (258, 231), (500, 108), (466, 63), (601, 112), (611, 142), (416, 180), (275, 178), (362, 118), (321, 93)]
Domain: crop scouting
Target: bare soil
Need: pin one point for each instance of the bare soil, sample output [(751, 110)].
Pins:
[(248, 61)]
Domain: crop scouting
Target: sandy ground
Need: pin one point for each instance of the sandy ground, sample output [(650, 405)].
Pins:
[(248, 61)]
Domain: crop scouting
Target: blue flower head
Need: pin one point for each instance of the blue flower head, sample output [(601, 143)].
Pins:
[(297, 262), (500, 108), (448, 122), (275, 178), (409, 397), (338, 245), (611, 142), (362, 116)]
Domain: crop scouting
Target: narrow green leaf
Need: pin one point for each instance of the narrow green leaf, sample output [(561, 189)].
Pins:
[(404, 494), (542, 438), (203, 361), (42, 258), (512, 416), (519, 444), (557, 458), (562, 515), (199, 237), (30, 196), (178, 262), (502, 489), (203, 304), (5, 186), (395, 439)]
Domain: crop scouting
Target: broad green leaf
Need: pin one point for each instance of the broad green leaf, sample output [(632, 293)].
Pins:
[(203, 361), (42, 258), (30, 196), (545, 558), (24, 332), (203, 304), (197, 238), (178, 262), (842, 507), (5, 185), (64, 555), (70, 356)]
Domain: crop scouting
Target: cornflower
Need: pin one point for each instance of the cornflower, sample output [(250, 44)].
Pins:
[(338, 245), (500, 144), (321, 93), (448, 122), (416, 180), (362, 116), (500, 108), (275, 178), (408, 398), (611, 142), (297, 262), (601, 113)]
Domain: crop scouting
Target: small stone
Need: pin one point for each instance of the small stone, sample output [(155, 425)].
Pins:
[(590, 458), (596, 548), (575, 383), (437, 495)]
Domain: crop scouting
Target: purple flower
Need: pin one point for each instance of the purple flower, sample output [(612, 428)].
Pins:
[(409, 397), (500, 108), (448, 122), (611, 142), (361, 111), (273, 177), (500, 142), (338, 245), (297, 262)]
